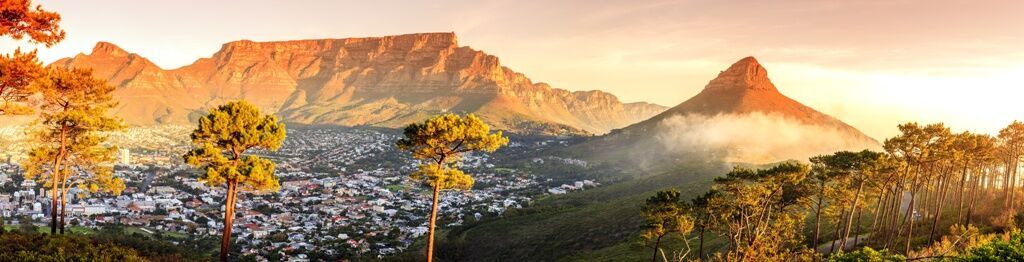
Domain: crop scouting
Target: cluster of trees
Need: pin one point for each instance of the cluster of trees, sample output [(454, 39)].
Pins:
[(70, 106), (927, 183)]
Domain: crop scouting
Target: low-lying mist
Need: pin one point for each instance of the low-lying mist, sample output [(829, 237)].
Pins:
[(754, 138)]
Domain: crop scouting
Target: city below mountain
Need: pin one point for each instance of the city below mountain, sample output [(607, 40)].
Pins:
[(386, 81)]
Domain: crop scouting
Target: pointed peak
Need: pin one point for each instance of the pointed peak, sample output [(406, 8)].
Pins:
[(108, 49), (745, 74)]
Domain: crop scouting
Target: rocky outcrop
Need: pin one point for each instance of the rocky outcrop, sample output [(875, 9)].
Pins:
[(383, 81)]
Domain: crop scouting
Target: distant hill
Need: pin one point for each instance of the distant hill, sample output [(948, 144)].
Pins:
[(385, 81), (740, 116)]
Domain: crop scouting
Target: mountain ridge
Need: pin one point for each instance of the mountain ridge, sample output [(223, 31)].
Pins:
[(385, 81)]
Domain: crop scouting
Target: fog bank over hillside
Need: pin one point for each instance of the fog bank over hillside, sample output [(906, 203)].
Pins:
[(753, 137)]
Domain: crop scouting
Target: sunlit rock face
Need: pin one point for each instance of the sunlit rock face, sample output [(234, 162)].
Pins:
[(383, 81)]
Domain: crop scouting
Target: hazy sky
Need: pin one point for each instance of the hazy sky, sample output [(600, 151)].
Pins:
[(872, 64)]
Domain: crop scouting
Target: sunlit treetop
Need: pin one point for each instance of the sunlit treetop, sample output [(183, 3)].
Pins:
[(18, 20), (223, 136), (73, 117), (75, 100), (665, 212), (444, 138), (17, 71)]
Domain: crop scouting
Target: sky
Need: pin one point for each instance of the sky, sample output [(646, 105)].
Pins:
[(873, 64)]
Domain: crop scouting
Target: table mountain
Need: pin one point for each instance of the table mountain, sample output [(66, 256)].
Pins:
[(381, 81)]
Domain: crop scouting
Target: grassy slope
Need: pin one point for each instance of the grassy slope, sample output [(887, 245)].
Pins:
[(574, 224)]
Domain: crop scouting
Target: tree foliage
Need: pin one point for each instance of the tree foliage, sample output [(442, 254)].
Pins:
[(758, 212), (220, 144), (18, 20), (69, 148), (17, 71), (440, 143), (221, 140), (666, 213)]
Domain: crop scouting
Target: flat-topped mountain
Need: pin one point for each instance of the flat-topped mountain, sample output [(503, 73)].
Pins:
[(381, 81)]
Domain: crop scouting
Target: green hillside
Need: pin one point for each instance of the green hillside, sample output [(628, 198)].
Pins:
[(574, 224)]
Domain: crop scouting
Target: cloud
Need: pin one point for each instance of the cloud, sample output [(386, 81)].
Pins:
[(753, 138)]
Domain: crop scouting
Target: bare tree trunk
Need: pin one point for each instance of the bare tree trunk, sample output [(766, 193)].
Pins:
[(229, 219), (657, 243), (938, 209), (63, 211), (974, 198), (835, 235), (910, 218), (433, 220), (817, 215), (881, 203), (860, 215), (849, 217), (1012, 174), (960, 193)]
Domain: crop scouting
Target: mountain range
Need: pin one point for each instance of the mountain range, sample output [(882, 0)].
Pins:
[(385, 81)]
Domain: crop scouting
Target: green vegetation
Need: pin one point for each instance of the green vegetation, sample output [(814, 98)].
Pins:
[(440, 142), (70, 150), (571, 225), (927, 175), (219, 145), (107, 244)]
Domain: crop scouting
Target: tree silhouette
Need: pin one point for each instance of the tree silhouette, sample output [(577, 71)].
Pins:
[(440, 142), (220, 143)]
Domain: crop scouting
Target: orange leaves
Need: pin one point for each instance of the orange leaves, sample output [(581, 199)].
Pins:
[(19, 20)]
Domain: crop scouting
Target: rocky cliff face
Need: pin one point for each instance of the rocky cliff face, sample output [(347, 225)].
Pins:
[(383, 81)]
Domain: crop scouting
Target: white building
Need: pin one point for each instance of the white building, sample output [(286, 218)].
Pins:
[(125, 157)]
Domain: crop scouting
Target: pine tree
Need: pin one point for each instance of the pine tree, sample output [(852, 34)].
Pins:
[(220, 143), (440, 142), (664, 214), (69, 149)]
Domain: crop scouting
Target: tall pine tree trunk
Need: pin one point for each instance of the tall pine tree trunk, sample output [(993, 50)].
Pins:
[(817, 215), (938, 208), (229, 219), (910, 218), (849, 217), (433, 220), (657, 243), (63, 211)]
